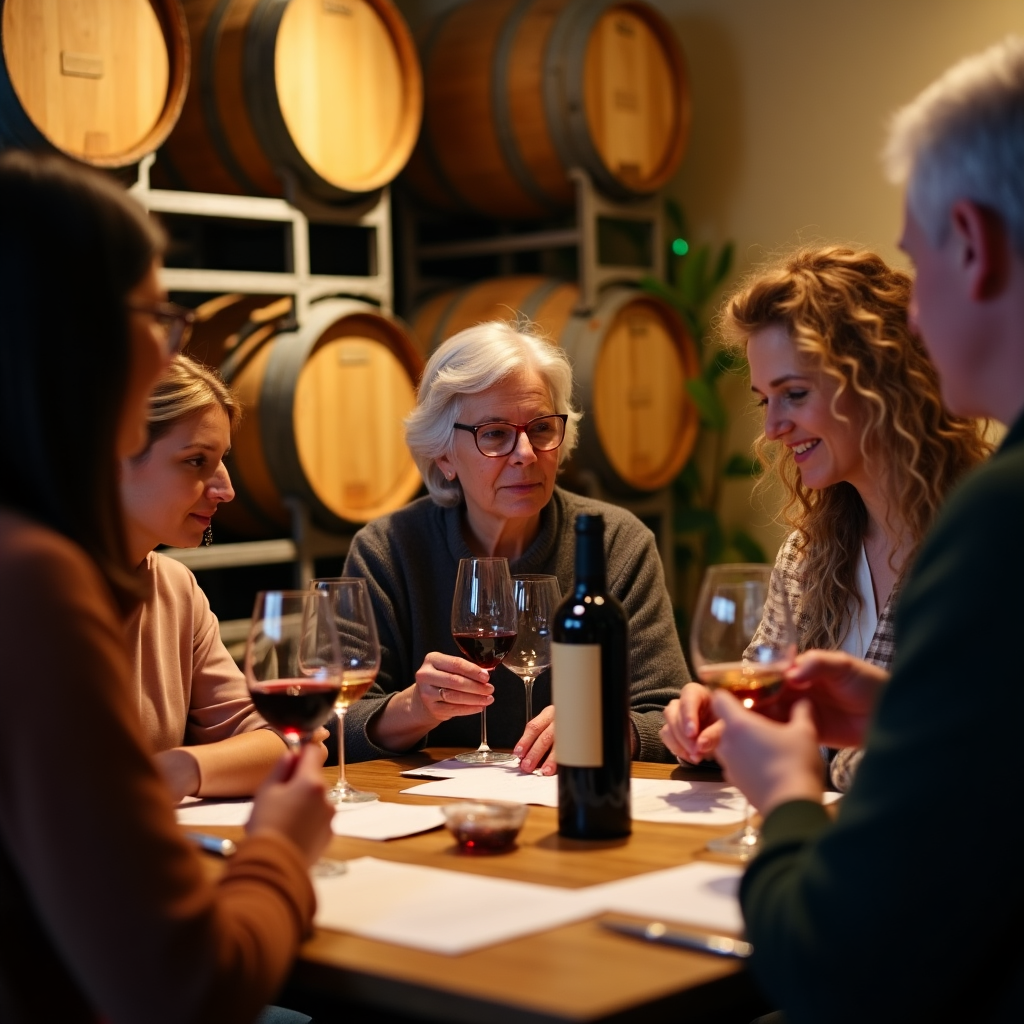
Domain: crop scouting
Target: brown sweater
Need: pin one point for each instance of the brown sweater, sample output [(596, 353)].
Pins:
[(104, 909)]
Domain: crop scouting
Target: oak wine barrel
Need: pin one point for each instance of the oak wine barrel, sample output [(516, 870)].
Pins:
[(329, 89), (324, 405), (102, 82), (517, 92), (631, 359)]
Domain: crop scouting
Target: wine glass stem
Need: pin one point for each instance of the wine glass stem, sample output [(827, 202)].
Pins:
[(340, 712), (528, 683), (483, 726)]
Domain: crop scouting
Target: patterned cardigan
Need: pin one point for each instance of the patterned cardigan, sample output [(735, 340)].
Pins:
[(787, 583)]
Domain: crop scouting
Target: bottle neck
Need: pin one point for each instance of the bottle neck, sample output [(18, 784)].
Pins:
[(589, 568)]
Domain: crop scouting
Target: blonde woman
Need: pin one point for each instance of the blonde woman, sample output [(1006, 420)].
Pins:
[(195, 707), (856, 434)]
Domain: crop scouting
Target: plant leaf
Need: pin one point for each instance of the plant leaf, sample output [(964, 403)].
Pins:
[(709, 405), (742, 466), (692, 283), (694, 520), (723, 266), (747, 546)]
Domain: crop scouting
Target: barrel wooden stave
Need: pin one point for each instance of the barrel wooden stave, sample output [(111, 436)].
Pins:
[(631, 359), (520, 92), (331, 91), (103, 82), (324, 409)]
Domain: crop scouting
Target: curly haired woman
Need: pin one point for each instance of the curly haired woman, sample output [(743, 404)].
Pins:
[(856, 434)]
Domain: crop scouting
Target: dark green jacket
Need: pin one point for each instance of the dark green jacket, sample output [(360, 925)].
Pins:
[(911, 906)]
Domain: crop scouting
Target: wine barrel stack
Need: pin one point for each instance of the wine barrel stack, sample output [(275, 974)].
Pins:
[(518, 94), (321, 102)]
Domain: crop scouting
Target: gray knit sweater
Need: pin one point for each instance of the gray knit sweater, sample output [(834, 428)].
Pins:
[(410, 559)]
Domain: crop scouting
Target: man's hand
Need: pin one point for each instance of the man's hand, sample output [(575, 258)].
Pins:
[(841, 690), (771, 762)]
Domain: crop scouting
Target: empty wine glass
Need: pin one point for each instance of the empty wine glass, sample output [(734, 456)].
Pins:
[(536, 599), (484, 627), (736, 647), (349, 599)]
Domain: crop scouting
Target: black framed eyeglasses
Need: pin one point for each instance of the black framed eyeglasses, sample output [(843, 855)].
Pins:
[(497, 438), (174, 320)]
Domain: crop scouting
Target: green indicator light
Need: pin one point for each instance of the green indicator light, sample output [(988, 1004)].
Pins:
[(680, 246)]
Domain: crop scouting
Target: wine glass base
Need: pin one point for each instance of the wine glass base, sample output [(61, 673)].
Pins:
[(327, 868), (743, 845), (346, 794), (484, 756)]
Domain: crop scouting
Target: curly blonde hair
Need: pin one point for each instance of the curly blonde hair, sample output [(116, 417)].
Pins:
[(846, 313)]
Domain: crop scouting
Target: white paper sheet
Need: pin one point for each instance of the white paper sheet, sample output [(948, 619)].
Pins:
[(661, 800), (451, 768), (448, 912), (494, 782), (693, 803), (701, 894), (213, 812), (384, 820)]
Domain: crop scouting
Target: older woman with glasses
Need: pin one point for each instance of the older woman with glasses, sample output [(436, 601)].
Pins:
[(493, 422)]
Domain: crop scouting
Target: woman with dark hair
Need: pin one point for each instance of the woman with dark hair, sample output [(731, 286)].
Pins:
[(103, 899), (865, 452)]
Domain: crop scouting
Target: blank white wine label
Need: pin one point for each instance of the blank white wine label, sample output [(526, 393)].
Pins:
[(576, 693)]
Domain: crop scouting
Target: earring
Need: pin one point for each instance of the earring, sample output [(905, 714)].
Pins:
[(208, 536)]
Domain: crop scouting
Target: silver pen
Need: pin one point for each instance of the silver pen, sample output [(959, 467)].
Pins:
[(705, 942), (212, 844)]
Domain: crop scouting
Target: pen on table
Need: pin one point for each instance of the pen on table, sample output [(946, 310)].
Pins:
[(212, 844), (656, 931)]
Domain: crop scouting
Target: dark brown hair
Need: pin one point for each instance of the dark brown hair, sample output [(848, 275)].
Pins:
[(72, 247)]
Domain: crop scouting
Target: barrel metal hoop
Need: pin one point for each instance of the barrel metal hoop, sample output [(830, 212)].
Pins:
[(426, 140), (208, 100), (442, 322), (537, 298), (586, 15), (581, 343), (290, 354), (503, 112)]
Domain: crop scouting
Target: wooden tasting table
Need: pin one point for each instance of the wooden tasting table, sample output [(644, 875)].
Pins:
[(579, 972)]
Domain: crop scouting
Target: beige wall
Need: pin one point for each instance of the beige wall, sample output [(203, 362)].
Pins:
[(790, 100)]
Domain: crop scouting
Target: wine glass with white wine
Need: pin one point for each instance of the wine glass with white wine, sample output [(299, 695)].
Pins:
[(536, 599), (349, 600), (736, 648)]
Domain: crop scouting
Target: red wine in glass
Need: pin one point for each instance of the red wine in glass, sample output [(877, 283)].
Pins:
[(296, 707), (484, 627), (485, 649)]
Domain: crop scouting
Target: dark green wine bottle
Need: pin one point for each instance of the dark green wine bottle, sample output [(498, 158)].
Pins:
[(590, 690)]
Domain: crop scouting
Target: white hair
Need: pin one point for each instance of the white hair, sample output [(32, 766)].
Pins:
[(963, 138), (469, 362)]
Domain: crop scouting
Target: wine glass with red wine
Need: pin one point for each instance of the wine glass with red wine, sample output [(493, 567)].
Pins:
[(484, 627), (736, 648), (293, 668), (349, 598)]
